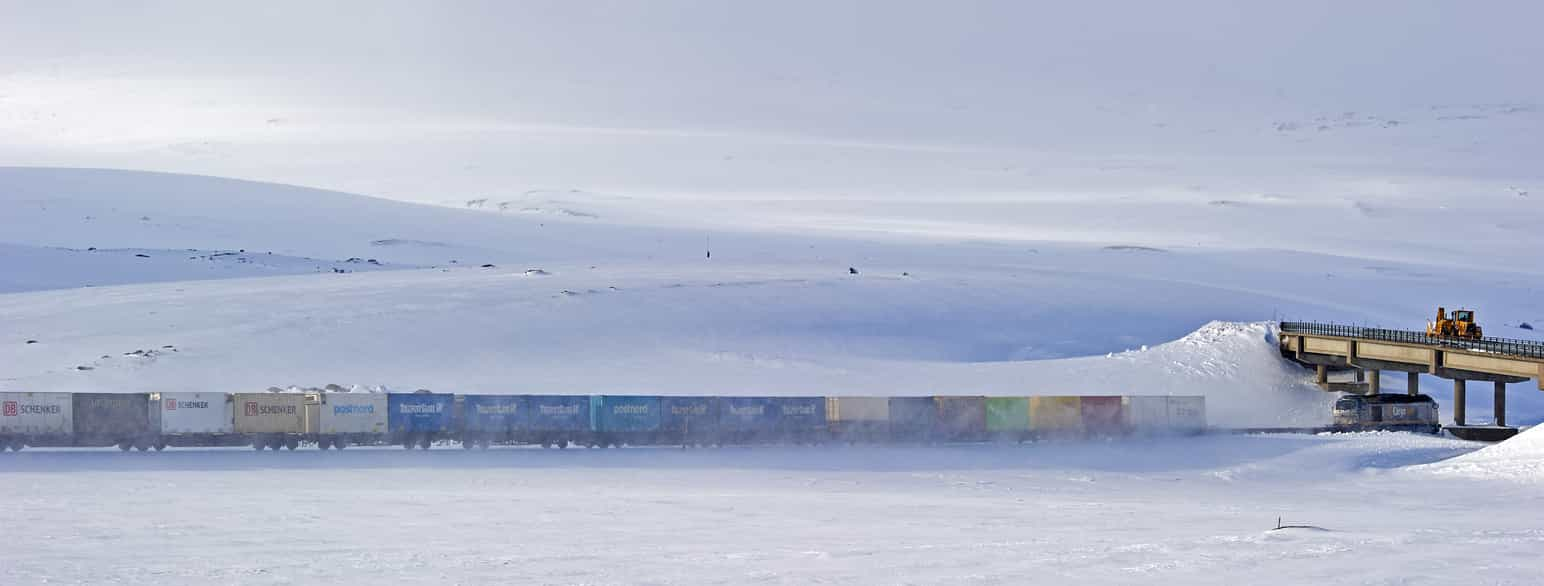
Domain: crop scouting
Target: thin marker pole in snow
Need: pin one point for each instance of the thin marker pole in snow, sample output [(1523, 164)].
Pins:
[(708, 246)]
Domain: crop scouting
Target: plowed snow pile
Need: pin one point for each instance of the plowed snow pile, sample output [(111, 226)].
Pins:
[(1518, 459)]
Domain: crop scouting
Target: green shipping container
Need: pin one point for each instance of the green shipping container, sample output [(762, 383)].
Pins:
[(1007, 414)]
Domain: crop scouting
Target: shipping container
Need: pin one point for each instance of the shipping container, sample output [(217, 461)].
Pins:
[(484, 420), (1187, 415), (35, 419), (858, 419), (558, 420), (271, 420), (337, 420), (1146, 414), (1007, 418), (801, 419), (911, 418), (959, 419), (108, 419), (419, 418), (1103, 416), (1057, 417), (624, 419), (747, 419), (689, 420), (193, 419)]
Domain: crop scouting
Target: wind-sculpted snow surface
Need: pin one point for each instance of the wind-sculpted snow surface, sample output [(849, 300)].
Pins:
[(1520, 459)]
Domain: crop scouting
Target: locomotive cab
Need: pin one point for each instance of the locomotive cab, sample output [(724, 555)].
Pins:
[(1393, 412)]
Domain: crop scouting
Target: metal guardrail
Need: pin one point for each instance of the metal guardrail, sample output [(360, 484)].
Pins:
[(1502, 346)]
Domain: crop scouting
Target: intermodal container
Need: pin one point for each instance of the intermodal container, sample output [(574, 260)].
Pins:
[(1056, 416), (625, 414), (270, 412), (742, 415), (1103, 415), (419, 412), (1187, 414), (346, 413), (1146, 414), (192, 414), (858, 409), (911, 418), (689, 415), (960, 418), (804, 417), (493, 413), (568, 413), (107, 418), (36, 415), (1007, 414)]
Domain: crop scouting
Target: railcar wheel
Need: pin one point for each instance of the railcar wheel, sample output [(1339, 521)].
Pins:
[(125, 446), (339, 443), (159, 446), (468, 443), (275, 443), (323, 443), (424, 442), (259, 445), (562, 444)]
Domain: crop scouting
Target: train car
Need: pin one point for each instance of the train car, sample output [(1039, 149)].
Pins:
[(1007, 418), (484, 420), (858, 419), (193, 419), (36, 419), (271, 420), (338, 420), (1387, 412), (418, 418), (744, 420), (557, 420), (801, 420), (1056, 417), (959, 419), (113, 419), (689, 420), (1164, 415), (617, 420), (912, 418), (1103, 416)]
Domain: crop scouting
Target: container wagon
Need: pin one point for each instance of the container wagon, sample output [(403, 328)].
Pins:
[(271, 420), (557, 420), (484, 420), (744, 420), (1103, 416), (418, 418), (1187, 415), (1164, 415), (36, 419), (113, 419), (1056, 417), (1007, 418), (617, 420), (858, 419), (801, 420), (689, 421), (193, 419), (959, 419), (338, 420), (912, 419)]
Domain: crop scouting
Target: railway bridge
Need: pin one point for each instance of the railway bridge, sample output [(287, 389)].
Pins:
[(1369, 351)]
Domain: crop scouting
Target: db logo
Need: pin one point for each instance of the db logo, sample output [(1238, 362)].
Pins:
[(10, 408), (251, 408), (171, 404)]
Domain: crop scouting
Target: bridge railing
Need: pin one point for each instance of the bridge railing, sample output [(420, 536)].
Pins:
[(1504, 346)]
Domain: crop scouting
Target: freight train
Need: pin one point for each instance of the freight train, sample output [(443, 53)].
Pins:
[(146, 421)]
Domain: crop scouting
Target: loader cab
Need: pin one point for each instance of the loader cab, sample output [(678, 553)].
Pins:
[(1463, 315)]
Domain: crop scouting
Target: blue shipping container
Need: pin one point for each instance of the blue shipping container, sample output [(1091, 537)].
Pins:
[(747, 414), (419, 412), (493, 413), (624, 414), (801, 413), (558, 412), (689, 414)]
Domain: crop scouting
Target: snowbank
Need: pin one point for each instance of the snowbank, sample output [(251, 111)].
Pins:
[(1520, 459)]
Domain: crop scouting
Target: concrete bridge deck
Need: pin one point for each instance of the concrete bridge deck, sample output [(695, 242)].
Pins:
[(1369, 351)]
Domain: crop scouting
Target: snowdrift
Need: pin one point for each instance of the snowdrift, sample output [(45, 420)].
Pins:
[(1520, 459)]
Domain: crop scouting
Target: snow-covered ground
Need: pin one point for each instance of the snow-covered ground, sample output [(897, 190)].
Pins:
[(1178, 511)]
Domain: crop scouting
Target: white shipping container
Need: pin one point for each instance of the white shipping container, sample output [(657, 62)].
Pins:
[(858, 409), (36, 414), (270, 412), (1187, 414), (1147, 414), (340, 413), (191, 413)]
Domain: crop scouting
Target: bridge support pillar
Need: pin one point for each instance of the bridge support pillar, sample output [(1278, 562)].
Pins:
[(1373, 375), (1360, 376), (1413, 383), (1500, 404), (1458, 401), (1321, 375)]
